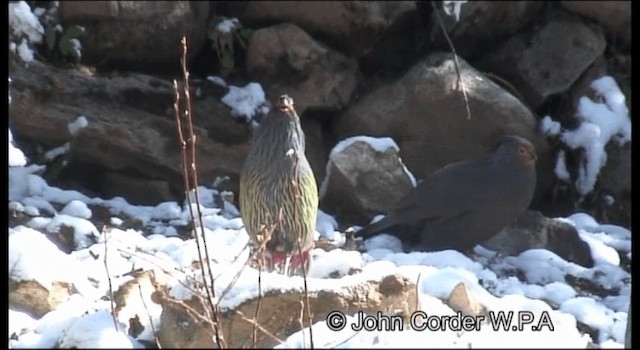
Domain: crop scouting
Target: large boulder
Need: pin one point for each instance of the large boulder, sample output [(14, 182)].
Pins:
[(130, 127), (481, 25), (352, 26), (532, 230), (547, 60), (287, 60), (424, 112), (365, 176), (137, 32), (615, 16)]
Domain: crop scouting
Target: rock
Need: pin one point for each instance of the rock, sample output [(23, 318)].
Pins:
[(353, 27), (364, 179), (614, 182), (534, 231), (425, 114), (462, 300), (498, 20), (280, 313), (547, 60), (131, 125), (137, 33), (615, 176), (287, 60), (141, 191), (615, 16), (134, 302), (315, 148), (36, 299)]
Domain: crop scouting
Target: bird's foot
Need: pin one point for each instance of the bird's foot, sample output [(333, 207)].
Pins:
[(290, 264)]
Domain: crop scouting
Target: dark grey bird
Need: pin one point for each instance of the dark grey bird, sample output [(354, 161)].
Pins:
[(468, 202), (278, 192)]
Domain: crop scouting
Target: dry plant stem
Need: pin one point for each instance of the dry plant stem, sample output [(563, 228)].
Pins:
[(153, 328), (306, 295), (257, 252), (304, 279), (455, 59), (106, 268), (335, 346), (262, 329), (194, 172), (257, 315), (142, 256), (190, 169), (418, 306), (512, 90)]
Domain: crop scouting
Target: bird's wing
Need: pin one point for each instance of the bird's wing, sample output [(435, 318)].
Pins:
[(444, 195)]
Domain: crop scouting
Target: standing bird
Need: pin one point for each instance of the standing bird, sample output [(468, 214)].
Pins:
[(468, 202), (278, 192)]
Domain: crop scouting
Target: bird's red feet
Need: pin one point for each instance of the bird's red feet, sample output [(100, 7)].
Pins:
[(297, 262)]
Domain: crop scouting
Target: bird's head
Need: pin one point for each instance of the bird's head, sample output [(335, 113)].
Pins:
[(285, 104), (520, 148)]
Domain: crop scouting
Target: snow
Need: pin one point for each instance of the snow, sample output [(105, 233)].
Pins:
[(78, 209), (24, 51), (228, 25), (26, 28), (57, 151), (379, 144), (326, 227), (561, 168), (85, 320), (96, 330), (16, 157), (217, 81), (601, 122), (28, 249), (76, 46), (453, 7), (549, 126), (24, 22), (246, 101), (78, 124)]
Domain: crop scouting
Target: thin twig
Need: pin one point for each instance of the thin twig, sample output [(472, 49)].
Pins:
[(153, 328), (304, 274), (258, 252), (258, 303), (418, 306), (192, 137), (455, 59), (106, 267), (190, 169), (264, 330), (306, 293), (505, 82)]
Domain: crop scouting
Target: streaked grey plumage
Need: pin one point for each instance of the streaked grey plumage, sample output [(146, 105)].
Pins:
[(468, 202), (277, 187)]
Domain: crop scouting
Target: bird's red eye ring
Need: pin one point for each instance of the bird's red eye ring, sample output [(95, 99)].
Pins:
[(522, 150)]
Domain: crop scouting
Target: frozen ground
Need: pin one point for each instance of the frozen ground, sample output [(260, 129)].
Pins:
[(536, 281)]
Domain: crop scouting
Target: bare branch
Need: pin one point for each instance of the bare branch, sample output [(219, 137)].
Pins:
[(153, 328), (106, 268), (455, 59)]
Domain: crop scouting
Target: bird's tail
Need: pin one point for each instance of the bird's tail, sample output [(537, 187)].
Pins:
[(375, 228)]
